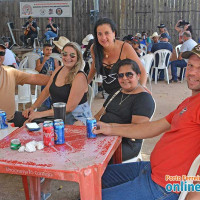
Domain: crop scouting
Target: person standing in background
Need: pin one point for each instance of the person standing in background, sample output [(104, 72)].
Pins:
[(46, 65), (182, 26), (107, 51)]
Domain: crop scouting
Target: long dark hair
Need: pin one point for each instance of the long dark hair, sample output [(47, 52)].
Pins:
[(98, 49)]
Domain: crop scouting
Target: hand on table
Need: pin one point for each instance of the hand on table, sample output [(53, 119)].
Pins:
[(35, 115)]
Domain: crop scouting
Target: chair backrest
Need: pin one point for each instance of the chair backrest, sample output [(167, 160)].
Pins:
[(148, 60), (57, 56), (24, 93), (192, 172), (177, 49), (90, 95), (32, 57), (161, 58), (23, 64), (143, 47)]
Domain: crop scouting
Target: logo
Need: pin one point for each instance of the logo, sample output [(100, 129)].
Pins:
[(110, 78)]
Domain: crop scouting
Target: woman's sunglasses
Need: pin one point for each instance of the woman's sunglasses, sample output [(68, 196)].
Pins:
[(2, 53), (128, 75), (72, 55)]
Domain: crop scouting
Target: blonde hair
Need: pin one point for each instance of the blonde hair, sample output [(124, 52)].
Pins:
[(71, 75)]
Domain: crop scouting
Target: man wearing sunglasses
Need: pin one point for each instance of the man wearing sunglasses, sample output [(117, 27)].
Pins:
[(172, 156), (9, 78)]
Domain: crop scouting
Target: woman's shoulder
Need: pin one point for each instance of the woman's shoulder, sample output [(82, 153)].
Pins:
[(81, 75), (143, 95)]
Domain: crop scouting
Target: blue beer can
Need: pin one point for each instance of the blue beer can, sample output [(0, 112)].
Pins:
[(91, 125), (58, 121), (3, 120), (59, 133)]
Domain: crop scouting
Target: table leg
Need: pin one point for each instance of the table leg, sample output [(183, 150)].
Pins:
[(90, 184), (117, 157), (25, 184), (35, 189)]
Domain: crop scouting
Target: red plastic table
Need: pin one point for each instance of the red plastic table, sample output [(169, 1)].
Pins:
[(80, 159)]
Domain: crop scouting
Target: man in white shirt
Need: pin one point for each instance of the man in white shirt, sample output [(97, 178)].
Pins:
[(9, 59), (187, 45)]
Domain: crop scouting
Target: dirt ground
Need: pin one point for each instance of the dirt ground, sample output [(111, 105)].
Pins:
[(167, 98)]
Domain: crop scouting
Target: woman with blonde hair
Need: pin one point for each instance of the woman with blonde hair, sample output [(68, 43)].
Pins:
[(67, 84)]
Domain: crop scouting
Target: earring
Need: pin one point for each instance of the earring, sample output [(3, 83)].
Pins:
[(114, 40)]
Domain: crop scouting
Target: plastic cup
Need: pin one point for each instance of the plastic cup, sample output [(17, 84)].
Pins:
[(59, 110)]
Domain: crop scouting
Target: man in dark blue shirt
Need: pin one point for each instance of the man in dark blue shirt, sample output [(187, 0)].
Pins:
[(163, 44)]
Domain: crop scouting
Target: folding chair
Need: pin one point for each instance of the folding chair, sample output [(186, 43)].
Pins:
[(11, 27)]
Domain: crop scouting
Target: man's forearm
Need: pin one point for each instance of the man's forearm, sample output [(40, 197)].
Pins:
[(139, 131), (38, 79)]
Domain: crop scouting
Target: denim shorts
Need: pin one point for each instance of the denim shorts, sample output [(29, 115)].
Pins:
[(82, 112)]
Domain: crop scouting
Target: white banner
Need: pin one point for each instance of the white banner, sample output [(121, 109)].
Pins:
[(46, 9)]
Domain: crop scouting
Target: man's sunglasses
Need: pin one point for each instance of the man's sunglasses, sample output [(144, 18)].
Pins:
[(2, 53), (128, 75), (72, 55)]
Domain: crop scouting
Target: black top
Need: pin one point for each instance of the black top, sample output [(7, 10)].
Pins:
[(141, 104), (61, 94), (50, 28), (109, 74), (31, 31)]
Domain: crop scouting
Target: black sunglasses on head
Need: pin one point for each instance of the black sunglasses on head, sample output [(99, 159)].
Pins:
[(72, 55), (2, 53), (127, 74)]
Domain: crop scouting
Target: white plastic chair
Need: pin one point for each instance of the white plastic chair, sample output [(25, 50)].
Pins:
[(24, 96), (177, 49), (162, 63), (144, 48), (36, 40), (192, 172), (57, 56), (32, 57), (23, 64), (97, 79), (148, 60), (90, 95)]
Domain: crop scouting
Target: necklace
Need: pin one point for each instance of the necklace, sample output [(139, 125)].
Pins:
[(122, 100)]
